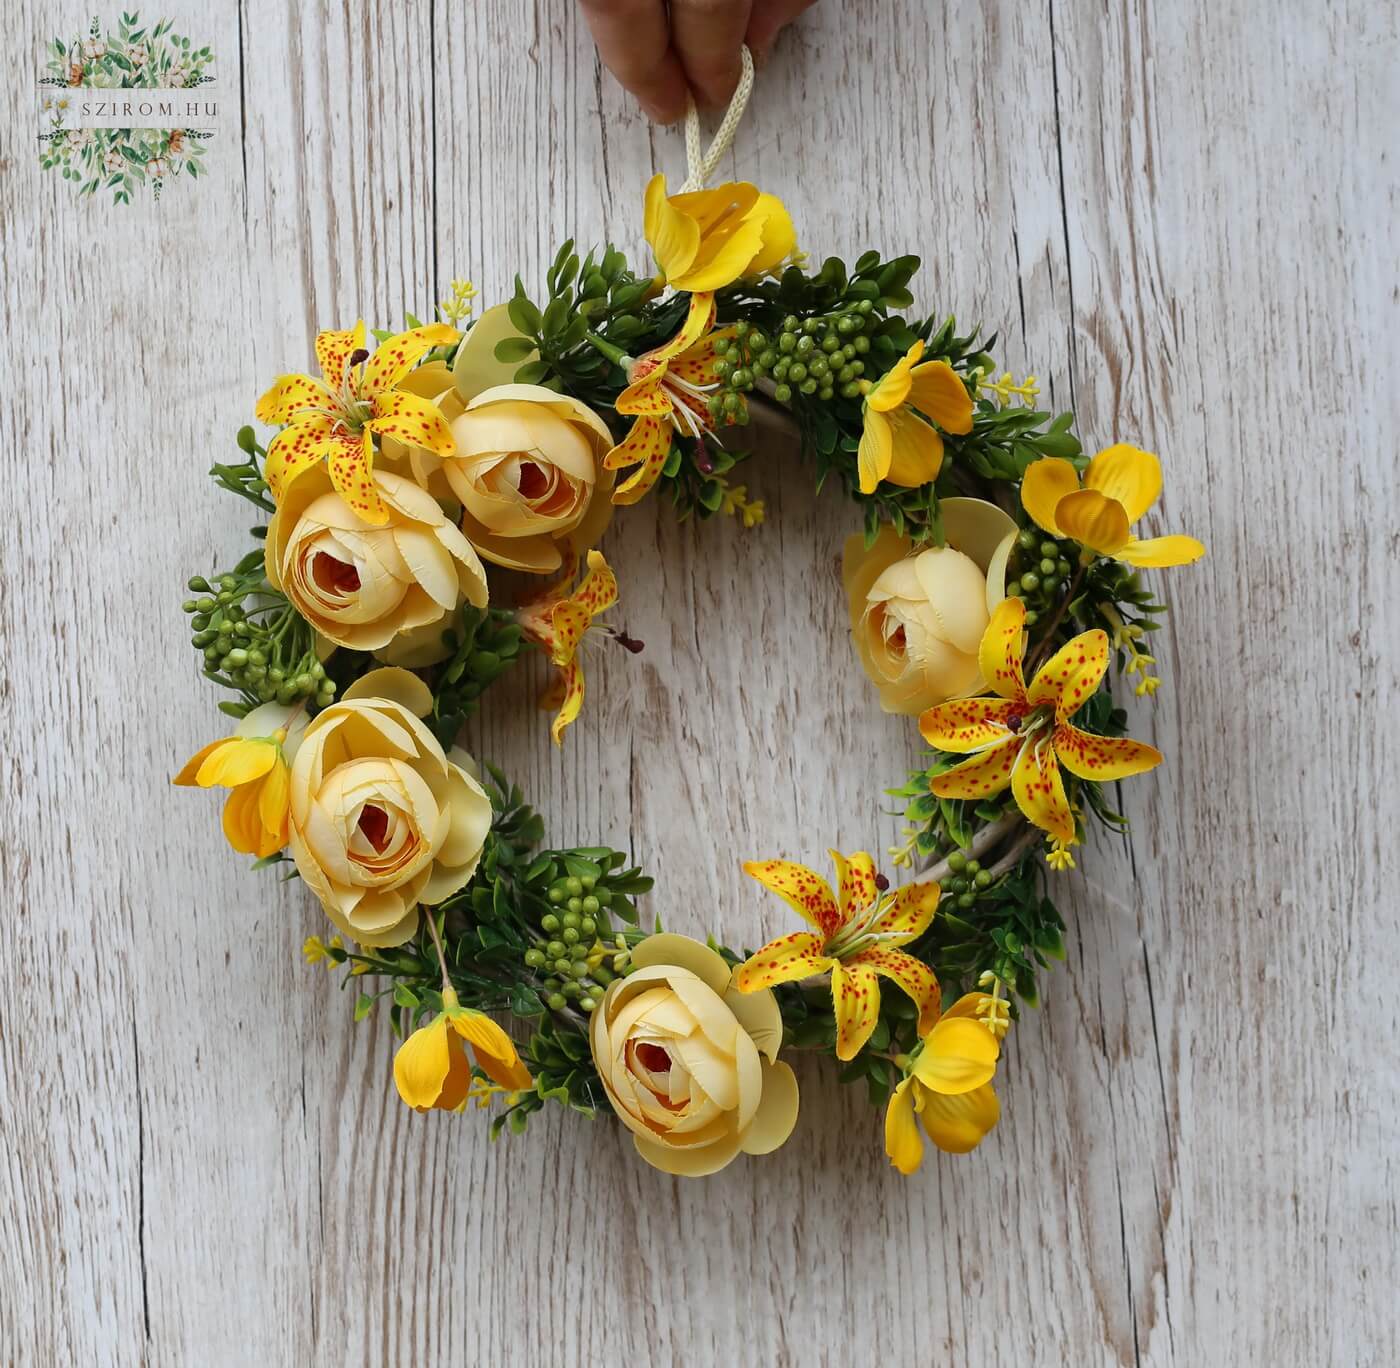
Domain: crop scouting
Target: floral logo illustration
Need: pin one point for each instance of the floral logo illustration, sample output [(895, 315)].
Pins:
[(132, 57)]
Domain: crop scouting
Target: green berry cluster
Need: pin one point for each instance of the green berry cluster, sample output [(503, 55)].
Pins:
[(968, 881), (574, 965), (1045, 565), (819, 357), (253, 640)]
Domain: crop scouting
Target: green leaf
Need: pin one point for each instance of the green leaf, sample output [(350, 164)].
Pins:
[(364, 1005), (510, 349)]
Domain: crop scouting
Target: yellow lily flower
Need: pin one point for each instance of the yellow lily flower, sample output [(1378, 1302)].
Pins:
[(667, 389), (334, 418), (854, 937), (254, 767), (431, 1068), (558, 621), (896, 444), (1024, 735), (948, 1087), (1120, 484), (707, 239)]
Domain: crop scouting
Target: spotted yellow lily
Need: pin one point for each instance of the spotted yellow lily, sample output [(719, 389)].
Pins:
[(707, 239), (1120, 484), (334, 418), (855, 937), (948, 1087), (667, 390), (558, 621), (896, 444), (1023, 736)]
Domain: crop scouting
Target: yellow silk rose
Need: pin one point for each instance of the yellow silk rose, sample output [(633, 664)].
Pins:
[(381, 819), (364, 586), (689, 1063), (917, 617)]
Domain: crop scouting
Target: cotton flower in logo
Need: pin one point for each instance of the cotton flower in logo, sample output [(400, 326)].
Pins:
[(855, 937), (178, 76), (94, 48), (689, 1064)]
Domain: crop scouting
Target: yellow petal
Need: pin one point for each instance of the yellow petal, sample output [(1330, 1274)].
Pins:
[(289, 396), (777, 1111), (936, 389), (1072, 674), (295, 449), (902, 1141), (758, 1013), (236, 762), (186, 776), (394, 685), (674, 236), (242, 829), (958, 1055), (876, 450), (698, 319), (1044, 484), (493, 1048), (1039, 790), (855, 879), (986, 774), (570, 702), (273, 803), (779, 236), (917, 980), (421, 1064), (908, 914), (999, 654), (396, 356), (683, 952), (967, 724), (807, 893), (1093, 521), (855, 994), (893, 387), (916, 450), (1127, 475), (334, 350), (789, 957), (417, 422), (350, 460), (959, 1124), (1159, 552), (647, 446), (1102, 758)]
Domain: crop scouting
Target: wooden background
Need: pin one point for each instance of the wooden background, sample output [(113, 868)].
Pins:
[(1183, 218)]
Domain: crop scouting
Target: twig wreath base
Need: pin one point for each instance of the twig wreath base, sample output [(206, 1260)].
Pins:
[(433, 504)]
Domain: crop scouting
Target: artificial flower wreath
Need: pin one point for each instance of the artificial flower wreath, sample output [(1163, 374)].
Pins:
[(995, 576)]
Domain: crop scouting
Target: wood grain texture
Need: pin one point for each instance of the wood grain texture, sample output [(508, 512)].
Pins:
[(1183, 219)]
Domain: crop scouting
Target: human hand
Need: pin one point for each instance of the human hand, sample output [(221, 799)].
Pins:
[(661, 52)]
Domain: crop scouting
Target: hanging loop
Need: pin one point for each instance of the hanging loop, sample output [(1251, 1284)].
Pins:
[(702, 167)]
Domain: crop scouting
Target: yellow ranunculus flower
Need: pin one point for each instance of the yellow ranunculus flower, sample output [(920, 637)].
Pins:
[(689, 1064), (381, 819), (896, 444), (917, 617), (1120, 484), (253, 763), (363, 585), (707, 239), (431, 1068), (948, 1087)]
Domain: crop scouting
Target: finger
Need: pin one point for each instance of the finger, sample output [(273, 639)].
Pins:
[(708, 35), (770, 18), (634, 42)]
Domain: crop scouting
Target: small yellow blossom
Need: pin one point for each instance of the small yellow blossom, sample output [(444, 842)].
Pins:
[(431, 1068), (458, 304), (898, 445), (1006, 388), (1059, 856), (255, 769), (1119, 485), (737, 502), (707, 239)]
